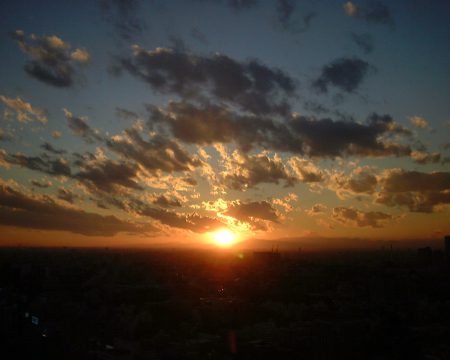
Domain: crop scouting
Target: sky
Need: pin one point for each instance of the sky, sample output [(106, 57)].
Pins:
[(159, 123)]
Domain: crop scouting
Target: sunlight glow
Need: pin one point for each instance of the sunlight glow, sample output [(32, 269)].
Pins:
[(224, 237)]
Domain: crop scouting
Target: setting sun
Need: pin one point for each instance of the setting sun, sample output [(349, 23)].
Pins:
[(224, 237)]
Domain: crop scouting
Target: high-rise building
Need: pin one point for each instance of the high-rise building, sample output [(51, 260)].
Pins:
[(447, 247)]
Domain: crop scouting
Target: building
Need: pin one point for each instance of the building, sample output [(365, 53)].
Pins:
[(447, 247)]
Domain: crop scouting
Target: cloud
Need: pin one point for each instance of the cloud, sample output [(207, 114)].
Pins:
[(43, 163), (242, 4), (124, 16), (378, 13), (316, 209), (362, 180), (305, 170), (165, 201), (101, 174), (247, 171), (374, 12), (284, 12), (347, 138), (419, 122), (285, 8), (79, 127), (66, 195), (249, 85), (252, 212), (210, 124), (6, 135), (421, 157), (198, 35), (21, 210), (364, 42), (24, 111), (158, 153), (56, 134), (344, 73), (49, 148), (193, 222), (50, 59), (350, 8), (354, 217), (41, 184), (418, 191)]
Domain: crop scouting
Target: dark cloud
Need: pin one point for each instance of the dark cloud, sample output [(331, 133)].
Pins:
[(66, 195), (301, 135), (306, 171), (6, 135), (242, 4), (374, 12), (51, 60), (158, 153), (210, 124), (49, 148), (344, 73), (420, 192), (126, 114), (348, 137), (44, 163), (378, 13), (22, 210), (364, 42), (249, 85), (251, 170), (109, 175), (80, 127), (285, 8), (165, 201), (359, 218), (124, 16), (198, 35), (41, 184), (361, 181), (253, 213), (423, 158), (316, 209), (193, 222)]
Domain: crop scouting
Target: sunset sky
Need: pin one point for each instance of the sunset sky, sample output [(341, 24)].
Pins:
[(127, 122)]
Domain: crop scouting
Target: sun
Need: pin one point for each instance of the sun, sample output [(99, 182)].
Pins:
[(224, 237)]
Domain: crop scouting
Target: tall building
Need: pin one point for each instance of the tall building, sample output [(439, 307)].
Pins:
[(447, 247)]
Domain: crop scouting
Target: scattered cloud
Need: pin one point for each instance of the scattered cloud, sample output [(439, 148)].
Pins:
[(124, 15), (419, 122), (317, 209), (80, 127), (354, 217), (23, 111), (418, 191), (421, 157), (249, 85), (50, 59), (374, 12), (364, 41), (155, 154), (42, 212), (56, 134), (345, 74)]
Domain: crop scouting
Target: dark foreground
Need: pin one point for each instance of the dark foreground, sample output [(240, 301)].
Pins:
[(107, 304)]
